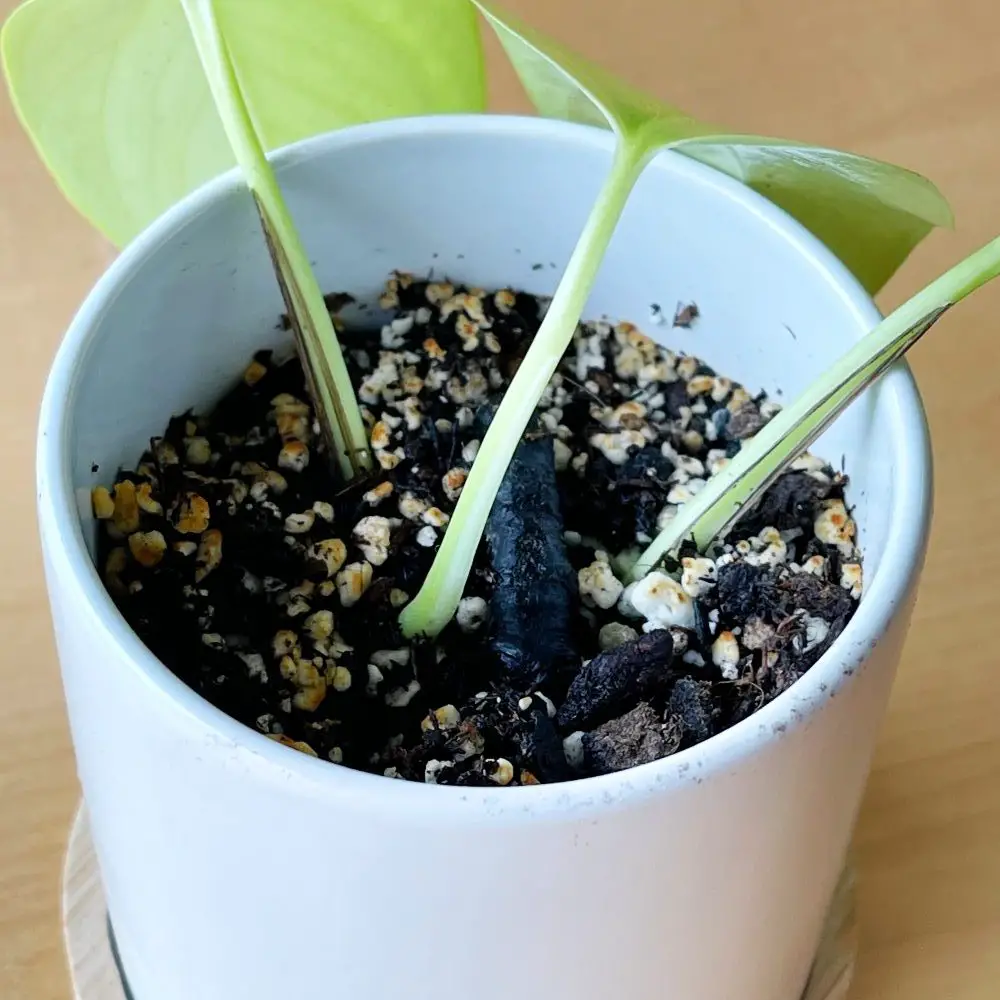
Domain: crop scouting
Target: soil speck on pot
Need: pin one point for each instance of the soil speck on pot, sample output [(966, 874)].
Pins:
[(274, 590), (686, 314)]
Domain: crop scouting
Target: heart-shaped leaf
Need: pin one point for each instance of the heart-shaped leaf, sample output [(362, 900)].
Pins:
[(113, 97), (869, 213)]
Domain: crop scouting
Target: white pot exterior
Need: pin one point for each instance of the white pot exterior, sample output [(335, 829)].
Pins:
[(237, 869)]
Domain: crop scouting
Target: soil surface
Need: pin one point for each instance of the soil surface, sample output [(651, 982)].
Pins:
[(273, 590)]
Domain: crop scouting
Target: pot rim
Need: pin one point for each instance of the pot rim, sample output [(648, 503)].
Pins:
[(886, 592)]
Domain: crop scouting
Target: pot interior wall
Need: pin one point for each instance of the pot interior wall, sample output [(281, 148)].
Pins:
[(501, 204)]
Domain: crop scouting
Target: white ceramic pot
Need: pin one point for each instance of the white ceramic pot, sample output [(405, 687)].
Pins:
[(237, 869)]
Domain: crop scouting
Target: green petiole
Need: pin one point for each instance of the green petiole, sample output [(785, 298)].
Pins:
[(435, 604), (736, 487), (319, 349)]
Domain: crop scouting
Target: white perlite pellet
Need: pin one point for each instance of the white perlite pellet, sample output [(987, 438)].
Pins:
[(698, 576), (661, 601), (472, 612), (598, 585), (726, 655)]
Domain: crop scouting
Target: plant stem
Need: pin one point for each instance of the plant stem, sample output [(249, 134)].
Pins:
[(319, 349), (435, 604), (735, 488)]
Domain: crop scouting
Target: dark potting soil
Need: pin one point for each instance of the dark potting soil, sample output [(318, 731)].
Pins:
[(273, 590)]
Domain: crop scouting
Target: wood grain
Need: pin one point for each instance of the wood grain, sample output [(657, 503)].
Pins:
[(89, 953), (914, 81)]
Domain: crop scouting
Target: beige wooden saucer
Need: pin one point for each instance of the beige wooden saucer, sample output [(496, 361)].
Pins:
[(95, 974), (92, 964)]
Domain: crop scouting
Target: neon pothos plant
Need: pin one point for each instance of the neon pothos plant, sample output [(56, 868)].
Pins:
[(124, 100), (134, 103)]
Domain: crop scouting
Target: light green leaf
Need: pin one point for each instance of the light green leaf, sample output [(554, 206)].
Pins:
[(869, 213), (736, 488), (113, 97), (563, 84)]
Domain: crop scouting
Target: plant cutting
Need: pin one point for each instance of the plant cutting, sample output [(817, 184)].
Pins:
[(229, 528), (563, 84), (202, 46), (587, 694)]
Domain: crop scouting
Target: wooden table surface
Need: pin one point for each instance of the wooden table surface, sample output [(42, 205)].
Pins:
[(912, 81)]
